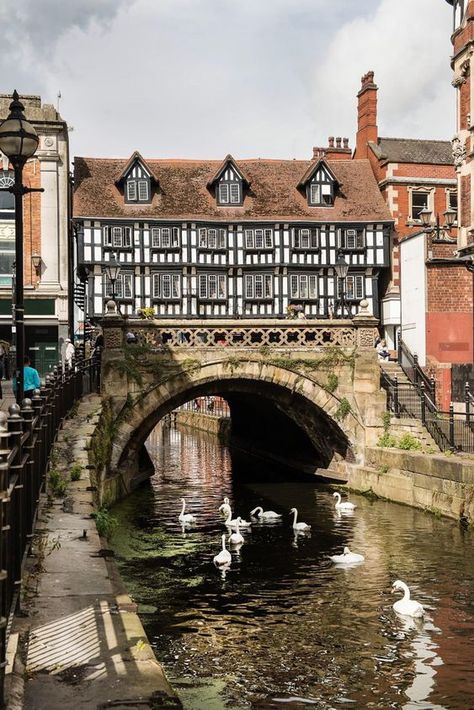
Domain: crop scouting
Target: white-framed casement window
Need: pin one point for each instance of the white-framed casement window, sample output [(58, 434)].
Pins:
[(452, 201), (123, 286), (259, 238), (212, 238), (305, 238), (137, 190), (116, 236), (229, 193), (351, 238), (212, 286), (167, 286), (165, 237), (353, 287), (258, 286), (7, 255), (303, 286), (321, 193), (419, 200)]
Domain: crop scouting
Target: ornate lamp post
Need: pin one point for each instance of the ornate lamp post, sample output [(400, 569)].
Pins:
[(112, 270), (449, 216), (18, 141), (341, 268)]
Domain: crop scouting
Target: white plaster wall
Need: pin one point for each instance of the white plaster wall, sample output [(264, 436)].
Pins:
[(413, 295)]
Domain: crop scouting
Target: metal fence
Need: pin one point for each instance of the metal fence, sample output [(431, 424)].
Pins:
[(27, 434), (450, 430), (210, 405)]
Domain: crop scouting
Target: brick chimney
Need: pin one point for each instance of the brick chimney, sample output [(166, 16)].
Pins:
[(366, 115), (340, 151)]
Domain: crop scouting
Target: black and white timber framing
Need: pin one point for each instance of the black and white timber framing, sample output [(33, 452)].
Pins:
[(208, 268)]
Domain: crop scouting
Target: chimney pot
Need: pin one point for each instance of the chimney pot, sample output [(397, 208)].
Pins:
[(345, 142), (331, 141), (338, 142)]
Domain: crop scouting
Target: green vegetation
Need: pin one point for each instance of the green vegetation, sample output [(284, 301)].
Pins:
[(332, 382), (408, 442), (57, 483), (148, 313), (76, 471), (384, 469), (343, 409), (105, 522)]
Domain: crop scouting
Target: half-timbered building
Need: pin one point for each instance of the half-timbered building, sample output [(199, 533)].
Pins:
[(238, 238)]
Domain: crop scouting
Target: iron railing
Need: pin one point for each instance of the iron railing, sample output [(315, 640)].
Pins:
[(450, 430), (212, 406), (27, 434), (412, 369)]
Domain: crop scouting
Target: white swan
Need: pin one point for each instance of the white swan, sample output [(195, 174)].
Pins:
[(185, 518), (224, 557), (236, 521), (265, 514), (235, 538), (343, 506), (300, 527), (406, 606), (225, 507), (347, 557)]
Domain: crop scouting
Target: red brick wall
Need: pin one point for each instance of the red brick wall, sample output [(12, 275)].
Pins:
[(31, 220), (464, 102), (465, 200)]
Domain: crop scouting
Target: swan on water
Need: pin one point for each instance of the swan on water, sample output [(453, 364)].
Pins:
[(265, 514), (225, 507), (343, 506), (233, 523), (185, 518), (347, 557), (406, 606), (224, 557), (300, 527), (235, 538)]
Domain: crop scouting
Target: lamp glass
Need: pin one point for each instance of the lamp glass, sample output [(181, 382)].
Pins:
[(341, 267), (450, 217), (18, 138), (112, 269), (425, 216), (36, 260)]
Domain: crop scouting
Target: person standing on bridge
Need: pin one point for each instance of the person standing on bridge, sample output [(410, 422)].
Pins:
[(31, 379)]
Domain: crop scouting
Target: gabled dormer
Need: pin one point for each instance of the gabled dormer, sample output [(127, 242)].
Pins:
[(229, 184), (319, 184), (137, 181)]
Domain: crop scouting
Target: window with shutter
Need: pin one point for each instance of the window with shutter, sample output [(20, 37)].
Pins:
[(106, 236), (132, 190), (142, 190), (224, 194), (117, 236), (127, 236), (235, 193)]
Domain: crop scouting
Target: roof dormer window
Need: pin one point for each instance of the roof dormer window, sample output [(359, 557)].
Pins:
[(228, 184), (321, 190), (230, 193), (138, 190)]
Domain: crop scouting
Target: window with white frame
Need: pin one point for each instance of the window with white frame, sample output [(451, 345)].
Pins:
[(167, 286), (165, 237), (212, 286), (117, 236), (419, 200), (212, 238), (303, 286), (137, 190), (352, 287), (7, 254), (351, 238), (259, 238), (123, 286), (229, 193), (320, 190), (7, 199), (305, 238), (258, 286)]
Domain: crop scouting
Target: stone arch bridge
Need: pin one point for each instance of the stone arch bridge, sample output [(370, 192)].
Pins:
[(301, 391)]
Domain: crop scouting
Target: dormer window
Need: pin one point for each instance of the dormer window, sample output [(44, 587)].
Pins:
[(137, 181), (138, 190), (228, 184), (230, 193), (319, 184)]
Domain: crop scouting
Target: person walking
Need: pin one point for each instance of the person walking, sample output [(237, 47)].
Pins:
[(31, 379), (69, 352)]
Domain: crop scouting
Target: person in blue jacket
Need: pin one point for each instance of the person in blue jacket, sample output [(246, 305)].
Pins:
[(31, 379)]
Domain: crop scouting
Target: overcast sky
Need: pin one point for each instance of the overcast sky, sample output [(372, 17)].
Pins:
[(255, 78)]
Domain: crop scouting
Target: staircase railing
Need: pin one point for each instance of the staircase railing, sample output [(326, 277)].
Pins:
[(408, 361)]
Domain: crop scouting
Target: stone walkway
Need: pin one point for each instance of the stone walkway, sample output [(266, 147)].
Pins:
[(81, 644)]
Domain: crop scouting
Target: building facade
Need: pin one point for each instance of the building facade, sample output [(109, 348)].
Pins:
[(239, 239), (46, 223)]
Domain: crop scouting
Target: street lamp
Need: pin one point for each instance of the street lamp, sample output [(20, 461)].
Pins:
[(341, 268), (112, 270), (449, 216), (18, 141)]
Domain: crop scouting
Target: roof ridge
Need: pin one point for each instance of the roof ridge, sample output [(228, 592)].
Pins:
[(415, 140)]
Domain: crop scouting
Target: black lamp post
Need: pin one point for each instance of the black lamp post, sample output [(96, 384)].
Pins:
[(341, 268), (18, 141), (449, 216), (112, 270)]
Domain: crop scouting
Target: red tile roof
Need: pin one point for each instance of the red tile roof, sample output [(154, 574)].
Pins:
[(183, 193)]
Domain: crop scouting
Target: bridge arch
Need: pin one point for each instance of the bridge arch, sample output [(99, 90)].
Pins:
[(334, 433)]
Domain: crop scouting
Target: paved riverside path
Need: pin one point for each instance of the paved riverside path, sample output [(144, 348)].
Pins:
[(82, 644)]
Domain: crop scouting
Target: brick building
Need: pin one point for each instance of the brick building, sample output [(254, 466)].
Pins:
[(45, 218)]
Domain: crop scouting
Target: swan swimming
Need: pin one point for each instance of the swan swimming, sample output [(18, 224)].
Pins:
[(235, 538), (265, 514), (406, 606), (347, 557), (224, 557), (300, 527), (343, 506), (233, 523), (225, 507), (185, 518)]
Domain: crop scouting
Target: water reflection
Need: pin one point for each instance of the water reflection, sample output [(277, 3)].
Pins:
[(283, 624)]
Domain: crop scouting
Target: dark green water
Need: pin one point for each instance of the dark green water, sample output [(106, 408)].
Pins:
[(284, 622)]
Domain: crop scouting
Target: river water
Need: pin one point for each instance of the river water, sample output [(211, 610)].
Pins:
[(284, 627)]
